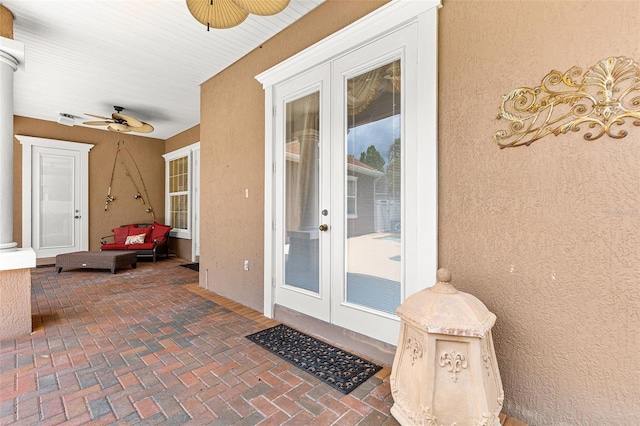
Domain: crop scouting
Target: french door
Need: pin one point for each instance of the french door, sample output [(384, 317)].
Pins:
[(342, 131), (373, 124), (302, 200), (351, 171)]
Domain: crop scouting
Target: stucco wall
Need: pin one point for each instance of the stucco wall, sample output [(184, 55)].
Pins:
[(232, 155), (147, 153), (182, 139), (6, 23), (547, 236), (15, 303)]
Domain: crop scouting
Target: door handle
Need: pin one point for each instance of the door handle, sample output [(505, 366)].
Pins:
[(76, 217), (323, 228)]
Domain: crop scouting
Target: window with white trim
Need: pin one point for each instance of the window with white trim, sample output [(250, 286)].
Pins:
[(179, 193), (179, 190), (352, 197)]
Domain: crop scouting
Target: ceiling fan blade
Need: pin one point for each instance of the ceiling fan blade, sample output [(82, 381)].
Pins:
[(121, 123), (262, 7), (219, 14), (117, 127), (98, 116), (132, 122), (97, 123), (145, 128)]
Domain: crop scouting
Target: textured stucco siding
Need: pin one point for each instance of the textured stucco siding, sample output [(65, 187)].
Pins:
[(548, 236), (15, 303)]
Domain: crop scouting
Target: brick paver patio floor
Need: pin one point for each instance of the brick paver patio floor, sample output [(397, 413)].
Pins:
[(149, 346)]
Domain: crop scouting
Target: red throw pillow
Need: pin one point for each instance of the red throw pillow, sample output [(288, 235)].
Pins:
[(134, 230), (120, 234), (159, 231)]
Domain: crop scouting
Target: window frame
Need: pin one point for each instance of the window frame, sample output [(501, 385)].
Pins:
[(186, 151), (353, 215)]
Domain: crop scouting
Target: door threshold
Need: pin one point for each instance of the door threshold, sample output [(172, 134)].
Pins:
[(360, 344)]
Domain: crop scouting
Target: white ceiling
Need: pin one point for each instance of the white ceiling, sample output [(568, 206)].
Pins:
[(148, 56)]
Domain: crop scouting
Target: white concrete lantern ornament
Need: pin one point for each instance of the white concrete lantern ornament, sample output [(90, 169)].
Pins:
[(445, 370)]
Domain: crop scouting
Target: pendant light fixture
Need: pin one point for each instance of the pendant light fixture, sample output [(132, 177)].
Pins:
[(224, 14)]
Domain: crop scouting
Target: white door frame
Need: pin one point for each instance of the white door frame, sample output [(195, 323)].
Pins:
[(195, 205), (421, 255), (28, 143)]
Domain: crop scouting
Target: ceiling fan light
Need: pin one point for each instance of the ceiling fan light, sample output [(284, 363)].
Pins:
[(262, 7), (117, 127), (131, 122), (219, 14)]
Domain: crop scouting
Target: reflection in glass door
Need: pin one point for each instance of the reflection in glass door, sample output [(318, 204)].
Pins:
[(302, 174), (300, 247), (373, 237)]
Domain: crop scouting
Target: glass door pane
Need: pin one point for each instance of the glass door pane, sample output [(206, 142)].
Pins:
[(302, 183), (373, 189), (56, 201)]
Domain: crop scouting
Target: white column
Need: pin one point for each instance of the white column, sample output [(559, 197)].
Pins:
[(11, 58), (15, 264)]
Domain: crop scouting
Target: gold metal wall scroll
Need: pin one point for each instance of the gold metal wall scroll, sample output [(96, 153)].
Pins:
[(606, 99)]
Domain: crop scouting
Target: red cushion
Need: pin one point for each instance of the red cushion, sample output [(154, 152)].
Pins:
[(145, 246), (134, 230), (120, 235), (114, 247), (159, 231)]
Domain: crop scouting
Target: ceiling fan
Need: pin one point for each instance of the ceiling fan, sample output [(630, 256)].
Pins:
[(120, 122)]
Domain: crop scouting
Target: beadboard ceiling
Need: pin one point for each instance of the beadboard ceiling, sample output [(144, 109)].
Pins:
[(148, 56)]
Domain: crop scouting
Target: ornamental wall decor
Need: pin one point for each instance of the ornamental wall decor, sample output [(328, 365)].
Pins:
[(606, 100)]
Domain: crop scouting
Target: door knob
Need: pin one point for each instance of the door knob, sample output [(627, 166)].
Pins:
[(76, 217), (323, 227)]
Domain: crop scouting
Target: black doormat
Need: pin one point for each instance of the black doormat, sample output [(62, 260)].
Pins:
[(337, 368), (194, 266)]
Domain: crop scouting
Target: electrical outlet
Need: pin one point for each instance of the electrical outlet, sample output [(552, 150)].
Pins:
[(246, 265)]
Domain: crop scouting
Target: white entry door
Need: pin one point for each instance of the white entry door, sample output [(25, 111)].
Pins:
[(302, 205), (55, 188), (374, 127), (351, 172), (341, 132)]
